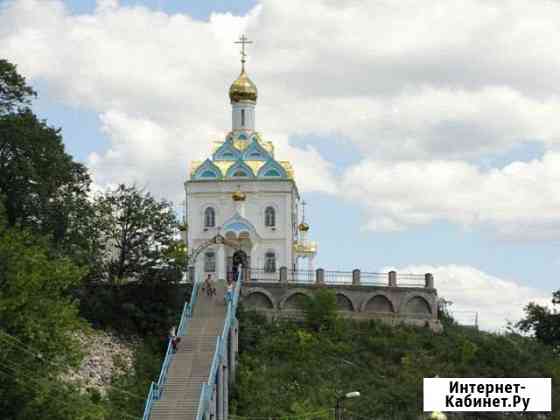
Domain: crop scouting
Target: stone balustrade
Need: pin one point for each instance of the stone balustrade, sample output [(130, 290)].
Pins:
[(390, 297), (354, 278)]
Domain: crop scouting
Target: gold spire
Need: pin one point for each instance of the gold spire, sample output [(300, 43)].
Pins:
[(243, 89)]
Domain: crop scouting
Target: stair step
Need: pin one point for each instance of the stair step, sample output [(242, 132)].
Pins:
[(190, 364)]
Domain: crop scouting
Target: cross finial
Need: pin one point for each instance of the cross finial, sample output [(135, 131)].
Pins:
[(303, 203), (243, 40)]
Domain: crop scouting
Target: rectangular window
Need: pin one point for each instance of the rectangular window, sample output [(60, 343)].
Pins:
[(270, 262), (210, 262), (242, 118)]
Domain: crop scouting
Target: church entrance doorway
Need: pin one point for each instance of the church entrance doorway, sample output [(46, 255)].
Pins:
[(239, 259)]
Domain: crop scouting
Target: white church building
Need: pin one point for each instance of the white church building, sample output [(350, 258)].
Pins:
[(243, 205)]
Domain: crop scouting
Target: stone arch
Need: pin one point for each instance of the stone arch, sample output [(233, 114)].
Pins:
[(258, 298), (416, 304), (289, 298), (378, 302), (343, 302)]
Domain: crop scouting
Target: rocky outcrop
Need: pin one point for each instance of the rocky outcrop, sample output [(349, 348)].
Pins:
[(106, 355)]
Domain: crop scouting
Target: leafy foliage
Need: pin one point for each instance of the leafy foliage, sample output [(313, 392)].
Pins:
[(34, 301), (52, 238), (291, 366), (138, 308), (14, 91), (41, 187), (129, 390), (138, 232), (543, 322), (320, 310), (138, 265), (36, 320)]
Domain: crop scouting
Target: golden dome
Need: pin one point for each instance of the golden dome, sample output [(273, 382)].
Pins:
[(243, 89), (303, 227), (238, 196)]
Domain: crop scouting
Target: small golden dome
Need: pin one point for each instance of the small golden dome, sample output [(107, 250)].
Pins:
[(243, 89), (238, 196), (303, 227)]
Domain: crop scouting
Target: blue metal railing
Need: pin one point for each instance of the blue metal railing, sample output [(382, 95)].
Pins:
[(156, 389), (188, 310), (221, 347), (149, 400)]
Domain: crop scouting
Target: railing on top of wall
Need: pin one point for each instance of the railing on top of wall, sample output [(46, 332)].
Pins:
[(156, 389), (354, 278), (221, 348)]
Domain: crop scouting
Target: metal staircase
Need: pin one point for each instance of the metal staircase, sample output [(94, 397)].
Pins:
[(187, 375)]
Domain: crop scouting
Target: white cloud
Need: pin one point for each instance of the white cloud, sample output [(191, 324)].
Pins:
[(417, 88), (495, 300), (158, 81), (519, 201)]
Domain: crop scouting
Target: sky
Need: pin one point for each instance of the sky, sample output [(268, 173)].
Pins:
[(424, 135)]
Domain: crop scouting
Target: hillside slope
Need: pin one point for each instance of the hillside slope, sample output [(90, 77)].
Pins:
[(291, 369)]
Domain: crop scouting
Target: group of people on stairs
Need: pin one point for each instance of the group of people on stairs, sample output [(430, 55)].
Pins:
[(210, 290)]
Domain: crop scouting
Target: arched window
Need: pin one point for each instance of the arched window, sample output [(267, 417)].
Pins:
[(270, 262), (270, 217), (210, 262), (242, 118), (209, 217), (240, 174)]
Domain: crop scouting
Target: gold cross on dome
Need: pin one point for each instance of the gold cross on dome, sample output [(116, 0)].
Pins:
[(243, 40)]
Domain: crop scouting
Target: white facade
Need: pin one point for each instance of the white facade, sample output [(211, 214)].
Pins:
[(242, 223)]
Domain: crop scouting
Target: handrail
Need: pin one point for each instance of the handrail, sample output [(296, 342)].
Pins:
[(156, 389), (207, 388), (183, 318), (149, 402), (187, 310), (164, 368)]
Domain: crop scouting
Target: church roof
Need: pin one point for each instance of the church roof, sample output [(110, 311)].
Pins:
[(240, 155)]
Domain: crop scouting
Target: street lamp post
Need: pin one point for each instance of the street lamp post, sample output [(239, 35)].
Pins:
[(339, 408)]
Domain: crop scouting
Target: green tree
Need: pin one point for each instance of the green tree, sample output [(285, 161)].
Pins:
[(297, 370), (320, 310), (139, 233), (136, 381), (543, 322), (34, 302), (37, 319), (14, 91), (38, 180), (41, 187), (140, 261)]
